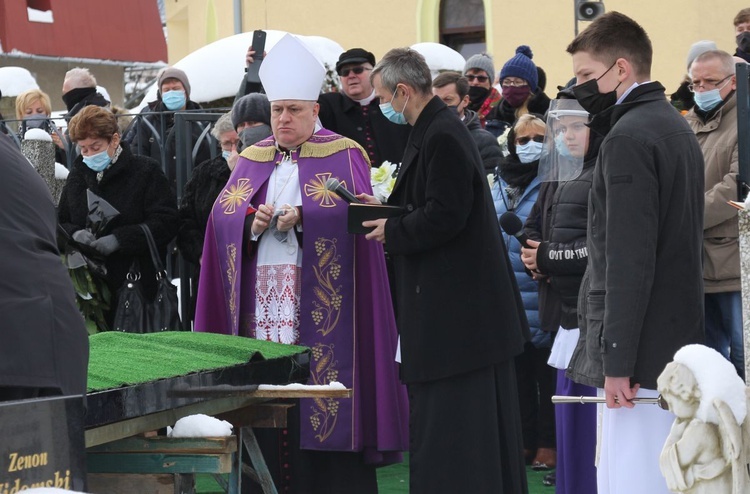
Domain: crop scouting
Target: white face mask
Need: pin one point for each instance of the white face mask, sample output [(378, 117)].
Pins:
[(531, 151)]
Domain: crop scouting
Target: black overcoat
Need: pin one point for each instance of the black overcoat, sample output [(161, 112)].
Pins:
[(459, 308)]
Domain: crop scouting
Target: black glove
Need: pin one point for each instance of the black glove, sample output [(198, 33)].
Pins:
[(84, 237), (106, 245)]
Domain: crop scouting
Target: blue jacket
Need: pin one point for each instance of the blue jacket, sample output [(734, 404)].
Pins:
[(527, 286)]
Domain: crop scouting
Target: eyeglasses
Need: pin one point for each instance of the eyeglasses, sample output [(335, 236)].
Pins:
[(357, 70), (514, 83), (480, 78), (525, 140), (708, 85), (229, 145)]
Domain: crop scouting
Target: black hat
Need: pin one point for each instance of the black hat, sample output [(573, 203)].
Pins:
[(355, 55)]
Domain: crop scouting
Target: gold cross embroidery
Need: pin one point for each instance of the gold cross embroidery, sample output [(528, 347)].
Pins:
[(235, 195), (317, 190)]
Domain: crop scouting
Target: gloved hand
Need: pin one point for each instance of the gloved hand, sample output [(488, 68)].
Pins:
[(84, 237), (106, 245)]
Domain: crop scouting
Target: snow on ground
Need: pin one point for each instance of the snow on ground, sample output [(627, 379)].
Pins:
[(200, 425), (216, 70), (440, 57), (15, 80), (298, 386)]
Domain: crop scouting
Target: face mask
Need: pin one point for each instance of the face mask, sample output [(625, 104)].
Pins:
[(591, 99), (75, 96), (34, 121), (743, 41), (98, 162), (391, 114), (562, 148), (708, 100), (174, 100), (225, 154), (515, 96), (531, 151), (477, 95), (251, 135)]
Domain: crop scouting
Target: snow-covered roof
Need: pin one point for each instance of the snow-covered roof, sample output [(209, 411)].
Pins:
[(15, 80), (440, 57), (216, 70)]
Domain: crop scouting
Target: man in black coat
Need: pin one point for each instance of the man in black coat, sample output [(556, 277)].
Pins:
[(44, 347), (453, 89), (355, 113), (641, 299), (459, 310)]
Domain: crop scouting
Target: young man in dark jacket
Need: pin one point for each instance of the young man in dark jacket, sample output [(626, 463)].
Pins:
[(642, 297)]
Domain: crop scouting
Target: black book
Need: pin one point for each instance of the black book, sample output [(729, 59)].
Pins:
[(364, 212)]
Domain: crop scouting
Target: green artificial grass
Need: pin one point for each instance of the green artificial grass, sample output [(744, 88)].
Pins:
[(121, 359)]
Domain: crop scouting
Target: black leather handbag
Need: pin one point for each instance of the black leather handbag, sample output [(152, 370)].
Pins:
[(134, 314)]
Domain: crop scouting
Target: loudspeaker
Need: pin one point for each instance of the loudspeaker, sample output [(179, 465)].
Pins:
[(588, 11)]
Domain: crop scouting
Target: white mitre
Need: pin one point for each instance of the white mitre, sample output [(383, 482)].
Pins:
[(291, 71)]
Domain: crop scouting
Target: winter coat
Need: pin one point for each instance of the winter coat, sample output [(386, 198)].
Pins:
[(489, 148), (138, 189), (92, 99), (717, 136), (340, 114), (144, 142), (505, 115), (458, 304), (43, 342), (642, 296)]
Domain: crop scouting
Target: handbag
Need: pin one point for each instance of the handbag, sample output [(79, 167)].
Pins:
[(133, 313)]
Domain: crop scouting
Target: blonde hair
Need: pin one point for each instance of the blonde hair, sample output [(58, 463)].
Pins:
[(27, 98), (527, 122)]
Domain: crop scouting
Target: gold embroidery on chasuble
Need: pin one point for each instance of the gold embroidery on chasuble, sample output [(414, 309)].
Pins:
[(324, 410), (232, 278), (235, 195), (316, 190), (328, 297)]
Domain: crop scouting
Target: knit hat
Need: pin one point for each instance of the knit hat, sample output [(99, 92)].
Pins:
[(175, 73), (481, 61), (253, 107), (522, 67), (698, 48)]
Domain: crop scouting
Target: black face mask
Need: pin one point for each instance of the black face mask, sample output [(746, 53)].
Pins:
[(743, 41), (591, 99), (75, 96), (477, 95)]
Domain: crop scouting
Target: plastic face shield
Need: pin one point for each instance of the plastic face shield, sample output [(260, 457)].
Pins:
[(565, 142)]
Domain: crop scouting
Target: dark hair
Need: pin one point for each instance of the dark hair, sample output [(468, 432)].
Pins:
[(452, 77), (742, 17), (93, 122), (404, 66), (614, 36)]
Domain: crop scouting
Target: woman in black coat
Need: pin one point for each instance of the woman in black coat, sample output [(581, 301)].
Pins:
[(134, 185)]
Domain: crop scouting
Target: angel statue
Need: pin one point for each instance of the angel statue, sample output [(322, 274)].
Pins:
[(706, 451)]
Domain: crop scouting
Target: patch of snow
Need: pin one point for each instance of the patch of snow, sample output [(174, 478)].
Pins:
[(37, 135), (61, 173), (103, 91), (44, 16), (439, 57), (297, 386), (15, 80), (201, 425), (216, 70)]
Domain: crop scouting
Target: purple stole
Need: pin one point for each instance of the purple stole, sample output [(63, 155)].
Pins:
[(346, 316)]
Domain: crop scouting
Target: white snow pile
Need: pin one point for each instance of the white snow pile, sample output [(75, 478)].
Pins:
[(439, 57), (61, 173), (200, 425), (216, 70), (44, 16), (297, 386), (15, 80), (103, 91), (37, 135)]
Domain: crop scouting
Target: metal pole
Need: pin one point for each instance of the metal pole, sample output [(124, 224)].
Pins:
[(743, 130), (575, 17), (237, 16)]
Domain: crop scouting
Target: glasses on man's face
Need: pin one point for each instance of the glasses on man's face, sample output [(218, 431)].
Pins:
[(357, 70), (522, 141), (481, 78), (514, 83), (708, 85)]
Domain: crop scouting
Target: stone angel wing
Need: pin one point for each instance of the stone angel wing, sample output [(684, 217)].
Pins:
[(734, 440)]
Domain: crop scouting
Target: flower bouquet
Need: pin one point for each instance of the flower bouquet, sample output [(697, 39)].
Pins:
[(383, 179)]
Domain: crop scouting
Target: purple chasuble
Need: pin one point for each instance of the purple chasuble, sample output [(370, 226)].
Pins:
[(346, 315)]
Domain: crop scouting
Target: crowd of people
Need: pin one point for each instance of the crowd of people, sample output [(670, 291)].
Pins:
[(628, 249)]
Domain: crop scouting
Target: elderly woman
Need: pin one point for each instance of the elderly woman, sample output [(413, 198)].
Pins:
[(33, 109), (134, 185)]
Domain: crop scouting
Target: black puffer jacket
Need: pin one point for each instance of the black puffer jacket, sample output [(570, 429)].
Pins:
[(208, 179), (138, 189), (558, 221), (489, 149)]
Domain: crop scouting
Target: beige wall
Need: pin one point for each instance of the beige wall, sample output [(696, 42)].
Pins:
[(545, 25)]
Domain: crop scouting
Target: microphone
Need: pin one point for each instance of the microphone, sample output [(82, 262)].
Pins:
[(335, 186), (511, 224)]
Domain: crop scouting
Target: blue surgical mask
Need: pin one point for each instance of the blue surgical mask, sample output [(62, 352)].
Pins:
[(99, 161), (391, 114), (562, 148), (225, 154), (531, 151), (707, 100), (174, 100)]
